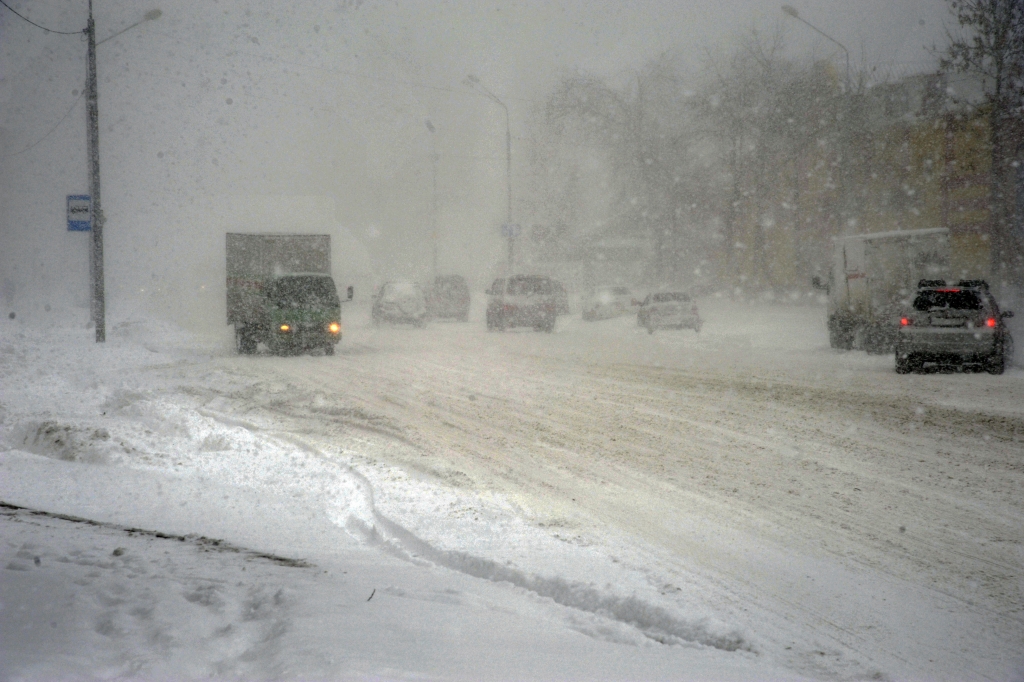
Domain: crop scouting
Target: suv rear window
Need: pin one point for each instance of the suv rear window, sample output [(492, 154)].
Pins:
[(524, 286), (955, 299)]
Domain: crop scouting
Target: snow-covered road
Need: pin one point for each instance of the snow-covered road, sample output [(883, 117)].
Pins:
[(747, 490)]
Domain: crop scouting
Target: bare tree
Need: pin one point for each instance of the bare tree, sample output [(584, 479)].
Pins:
[(989, 43), (642, 128)]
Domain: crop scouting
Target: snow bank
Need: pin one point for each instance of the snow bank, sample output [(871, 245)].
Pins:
[(110, 444)]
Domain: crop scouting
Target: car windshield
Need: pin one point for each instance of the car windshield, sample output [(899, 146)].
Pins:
[(450, 287), (952, 299), (668, 297), (528, 286), (304, 291), (400, 290)]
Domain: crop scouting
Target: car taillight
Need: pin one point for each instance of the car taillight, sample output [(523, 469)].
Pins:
[(990, 322), (904, 321)]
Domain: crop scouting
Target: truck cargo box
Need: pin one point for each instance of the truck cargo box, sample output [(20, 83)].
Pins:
[(255, 259)]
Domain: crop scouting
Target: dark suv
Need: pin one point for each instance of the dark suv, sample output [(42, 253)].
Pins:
[(522, 301), (449, 298), (954, 325)]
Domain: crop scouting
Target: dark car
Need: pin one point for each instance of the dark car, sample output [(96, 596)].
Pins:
[(672, 309), (449, 298), (522, 301), (400, 303), (954, 325)]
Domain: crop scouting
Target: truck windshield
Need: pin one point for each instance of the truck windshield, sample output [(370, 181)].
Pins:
[(293, 292), (956, 299)]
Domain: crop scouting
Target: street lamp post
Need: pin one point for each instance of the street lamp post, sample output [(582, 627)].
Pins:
[(99, 315), (791, 11), (433, 213), (474, 82)]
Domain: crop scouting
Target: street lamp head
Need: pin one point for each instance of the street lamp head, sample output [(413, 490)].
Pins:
[(430, 126), (152, 14), (791, 11)]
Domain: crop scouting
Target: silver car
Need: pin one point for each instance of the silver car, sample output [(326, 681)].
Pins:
[(954, 325), (671, 309), (522, 301)]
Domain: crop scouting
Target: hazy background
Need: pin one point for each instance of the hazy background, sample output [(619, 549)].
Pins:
[(260, 116)]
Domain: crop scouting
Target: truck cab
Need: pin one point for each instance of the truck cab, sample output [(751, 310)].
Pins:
[(303, 312)]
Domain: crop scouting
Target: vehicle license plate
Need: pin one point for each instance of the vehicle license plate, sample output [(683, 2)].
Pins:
[(946, 322)]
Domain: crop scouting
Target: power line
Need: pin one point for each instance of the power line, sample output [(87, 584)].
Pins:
[(48, 30), (50, 131)]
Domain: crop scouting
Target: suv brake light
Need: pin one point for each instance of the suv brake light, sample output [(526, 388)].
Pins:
[(990, 322), (905, 322)]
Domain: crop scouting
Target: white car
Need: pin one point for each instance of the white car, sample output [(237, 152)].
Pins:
[(669, 309), (400, 302), (604, 302)]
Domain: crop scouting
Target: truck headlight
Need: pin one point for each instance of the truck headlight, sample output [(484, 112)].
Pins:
[(334, 327)]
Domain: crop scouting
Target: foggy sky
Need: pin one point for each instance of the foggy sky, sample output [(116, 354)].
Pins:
[(221, 100)]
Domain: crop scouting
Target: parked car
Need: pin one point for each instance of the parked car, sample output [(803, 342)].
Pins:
[(668, 309), (603, 302), (954, 325), (522, 301), (400, 303), (449, 298), (561, 298)]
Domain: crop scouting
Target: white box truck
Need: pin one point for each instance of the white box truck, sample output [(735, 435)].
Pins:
[(872, 279), (280, 292)]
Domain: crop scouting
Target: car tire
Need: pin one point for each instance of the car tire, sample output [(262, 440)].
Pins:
[(903, 364), (246, 341), (840, 335), (650, 328), (995, 363), (329, 349)]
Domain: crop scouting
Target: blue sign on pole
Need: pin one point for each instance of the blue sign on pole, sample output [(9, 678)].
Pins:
[(79, 213)]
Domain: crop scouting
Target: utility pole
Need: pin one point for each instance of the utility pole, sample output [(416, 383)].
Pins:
[(433, 213), (474, 82), (99, 314), (99, 306)]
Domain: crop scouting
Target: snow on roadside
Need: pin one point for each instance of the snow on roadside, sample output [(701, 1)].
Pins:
[(91, 431)]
